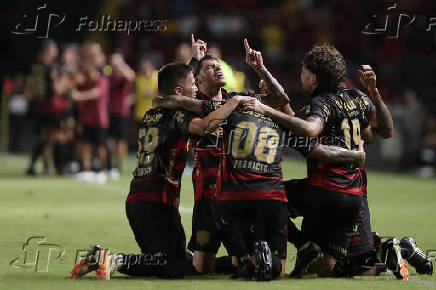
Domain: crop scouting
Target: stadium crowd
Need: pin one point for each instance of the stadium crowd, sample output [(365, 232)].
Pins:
[(80, 102), (283, 36)]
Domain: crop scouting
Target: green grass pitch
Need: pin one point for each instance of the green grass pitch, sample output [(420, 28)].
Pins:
[(75, 214)]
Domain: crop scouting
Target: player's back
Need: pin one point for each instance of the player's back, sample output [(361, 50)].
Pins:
[(250, 165), (368, 107), (343, 121), (161, 157)]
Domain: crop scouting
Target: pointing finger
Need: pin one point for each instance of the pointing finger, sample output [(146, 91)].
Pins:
[(246, 45)]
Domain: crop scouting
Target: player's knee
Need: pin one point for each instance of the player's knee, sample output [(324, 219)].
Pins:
[(278, 269), (204, 262)]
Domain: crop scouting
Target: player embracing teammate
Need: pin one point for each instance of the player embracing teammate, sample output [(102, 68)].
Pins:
[(252, 212), (240, 196)]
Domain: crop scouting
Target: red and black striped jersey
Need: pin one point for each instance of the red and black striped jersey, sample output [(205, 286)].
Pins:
[(207, 151), (344, 119), (250, 165), (162, 148)]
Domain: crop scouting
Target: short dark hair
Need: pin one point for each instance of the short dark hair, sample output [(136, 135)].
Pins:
[(200, 63), (328, 64), (170, 75)]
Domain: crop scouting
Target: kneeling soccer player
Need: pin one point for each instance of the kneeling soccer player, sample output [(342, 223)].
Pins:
[(153, 200)]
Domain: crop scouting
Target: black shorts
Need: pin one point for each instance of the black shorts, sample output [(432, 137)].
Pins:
[(95, 136), (362, 240), (206, 227), (329, 219), (158, 229), (44, 123), (266, 219), (295, 193), (63, 120), (119, 129)]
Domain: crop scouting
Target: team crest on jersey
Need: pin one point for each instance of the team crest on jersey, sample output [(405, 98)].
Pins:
[(306, 110), (178, 116)]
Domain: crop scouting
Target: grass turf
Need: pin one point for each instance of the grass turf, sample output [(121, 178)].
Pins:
[(76, 214)]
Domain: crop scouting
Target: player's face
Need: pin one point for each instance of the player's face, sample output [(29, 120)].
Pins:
[(188, 87), (211, 74), (308, 80)]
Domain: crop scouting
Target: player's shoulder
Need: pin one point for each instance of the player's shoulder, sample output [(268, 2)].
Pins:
[(156, 115), (324, 98), (353, 92), (358, 95), (361, 98)]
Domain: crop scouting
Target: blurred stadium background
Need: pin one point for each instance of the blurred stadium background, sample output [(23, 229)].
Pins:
[(282, 30)]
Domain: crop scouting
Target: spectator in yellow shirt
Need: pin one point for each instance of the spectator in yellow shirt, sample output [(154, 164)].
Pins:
[(146, 88)]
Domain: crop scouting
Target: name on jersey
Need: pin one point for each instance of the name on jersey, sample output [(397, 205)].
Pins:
[(253, 165), (349, 106), (152, 119), (262, 118)]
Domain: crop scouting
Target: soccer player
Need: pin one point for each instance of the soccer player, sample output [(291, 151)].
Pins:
[(92, 97), (153, 200), (121, 84), (364, 244), (232, 187), (206, 235), (41, 91), (338, 119)]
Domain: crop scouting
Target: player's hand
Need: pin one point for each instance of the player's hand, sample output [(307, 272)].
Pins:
[(368, 78), (252, 57), (168, 102), (256, 106), (199, 48), (75, 95), (363, 153), (241, 100)]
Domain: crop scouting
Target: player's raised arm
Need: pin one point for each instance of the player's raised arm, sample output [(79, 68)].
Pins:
[(383, 124), (309, 127), (254, 59), (199, 48)]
